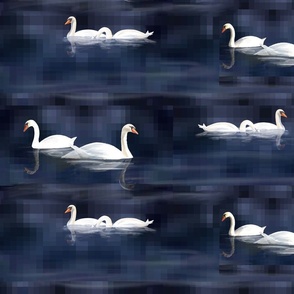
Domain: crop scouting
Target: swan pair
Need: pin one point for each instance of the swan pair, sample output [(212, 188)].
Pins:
[(104, 32), (99, 150), (104, 221), (257, 127)]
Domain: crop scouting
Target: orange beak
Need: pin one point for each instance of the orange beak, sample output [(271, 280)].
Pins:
[(67, 22), (68, 210), (284, 114), (223, 218), (25, 127), (223, 29), (135, 132)]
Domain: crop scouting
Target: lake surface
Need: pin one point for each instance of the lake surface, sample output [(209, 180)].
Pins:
[(179, 177)]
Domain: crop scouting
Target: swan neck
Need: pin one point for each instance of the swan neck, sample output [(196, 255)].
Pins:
[(73, 215), (105, 219), (232, 227), (232, 38), (279, 122), (73, 27), (35, 143), (124, 145), (244, 124), (105, 30)]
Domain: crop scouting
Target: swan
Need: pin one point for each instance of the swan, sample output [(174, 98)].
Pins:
[(279, 49), (123, 34), (73, 26), (277, 238), (90, 222), (51, 142), (128, 222), (270, 126), (248, 41), (227, 127), (246, 230), (99, 150)]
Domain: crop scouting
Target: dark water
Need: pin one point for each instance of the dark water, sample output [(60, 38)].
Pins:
[(181, 179)]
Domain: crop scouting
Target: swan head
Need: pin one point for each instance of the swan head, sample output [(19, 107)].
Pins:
[(281, 112), (70, 20), (226, 26), (129, 128), (70, 208), (226, 215), (28, 124)]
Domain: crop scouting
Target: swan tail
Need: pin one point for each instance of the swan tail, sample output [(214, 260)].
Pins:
[(149, 33), (148, 222), (203, 126), (262, 230), (262, 41)]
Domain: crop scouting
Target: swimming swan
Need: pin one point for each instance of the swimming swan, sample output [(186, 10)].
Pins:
[(277, 238), (248, 41), (82, 33), (98, 150), (128, 222), (270, 126), (227, 127), (246, 230), (51, 142), (90, 222), (123, 34), (279, 50)]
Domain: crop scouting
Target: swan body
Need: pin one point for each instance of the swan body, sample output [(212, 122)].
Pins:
[(89, 222), (277, 238), (122, 34), (51, 142), (248, 41), (227, 127), (270, 126), (82, 33), (99, 150), (128, 222), (246, 230), (279, 49)]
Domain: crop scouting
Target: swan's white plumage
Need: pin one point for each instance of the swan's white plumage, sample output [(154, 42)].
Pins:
[(277, 238), (226, 127), (128, 222), (98, 150), (282, 49), (122, 34), (51, 142), (246, 230), (82, 33), (245, 42)]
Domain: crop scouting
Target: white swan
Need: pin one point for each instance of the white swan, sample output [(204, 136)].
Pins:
[(99, 150), (90, 222), (279, 49), (123, 34), (226, 127), (248, 41), (270, 126), (246, 230), (82, 33), (51, 142), (128, 222), (277, 238)]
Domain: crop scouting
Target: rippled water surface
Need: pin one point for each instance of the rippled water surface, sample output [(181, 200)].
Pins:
[(180, 177)]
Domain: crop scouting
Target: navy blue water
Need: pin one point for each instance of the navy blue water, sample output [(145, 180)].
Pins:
[(181, 179)]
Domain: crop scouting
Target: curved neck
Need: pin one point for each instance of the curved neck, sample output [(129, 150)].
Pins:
[(124, 145), (35, 143), (232, 227), (278, 121), (246, 123), (106, 219), (73, 27), (73, 215), (232, 38), (105, 30)]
